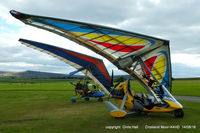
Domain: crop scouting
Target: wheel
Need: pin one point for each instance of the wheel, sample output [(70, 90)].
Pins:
[(144, 113), (100, 99), (179, 113), (119, 117), (87, 98), (73, 100)]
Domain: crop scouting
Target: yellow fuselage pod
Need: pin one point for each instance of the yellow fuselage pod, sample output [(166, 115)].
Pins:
[(172, 107), (129, 101), (118, 113)]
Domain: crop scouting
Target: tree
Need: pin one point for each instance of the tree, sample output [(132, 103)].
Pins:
[(120, 79)]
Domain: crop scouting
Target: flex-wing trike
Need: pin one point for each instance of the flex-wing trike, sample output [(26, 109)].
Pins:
[(159, 99), (83, 90), (90, 66), (145, 58)]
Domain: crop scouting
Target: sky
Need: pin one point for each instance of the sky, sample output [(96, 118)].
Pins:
[(177, 21)]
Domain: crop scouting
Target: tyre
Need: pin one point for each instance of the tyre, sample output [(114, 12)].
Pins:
[(87, 98), (179, 113), (100, 99), (73, 100), (119, 117)]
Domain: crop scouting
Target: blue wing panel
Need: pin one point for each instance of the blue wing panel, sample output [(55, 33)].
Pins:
[(95, 66)]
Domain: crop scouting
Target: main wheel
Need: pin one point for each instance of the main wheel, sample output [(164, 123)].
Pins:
[(119, 117), (100, 99), (179, 113), (87, 98), (73, 100)]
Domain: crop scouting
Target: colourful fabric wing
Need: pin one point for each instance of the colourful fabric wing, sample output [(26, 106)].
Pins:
[(118, 46), (96, 68)]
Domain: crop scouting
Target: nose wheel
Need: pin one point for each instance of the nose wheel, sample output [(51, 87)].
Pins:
[(179, 113)]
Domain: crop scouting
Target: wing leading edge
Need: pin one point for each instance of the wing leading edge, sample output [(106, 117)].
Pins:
[(95, 67)]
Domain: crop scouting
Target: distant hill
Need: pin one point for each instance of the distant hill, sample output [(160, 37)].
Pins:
[(30, 74), (38, 74), (2, 72)]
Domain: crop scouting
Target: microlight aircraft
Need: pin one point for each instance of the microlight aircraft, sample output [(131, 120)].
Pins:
[(145, 58), (90, 66)]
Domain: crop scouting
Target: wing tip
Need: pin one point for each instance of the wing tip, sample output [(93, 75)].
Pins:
[(22, 40), (18, 15)]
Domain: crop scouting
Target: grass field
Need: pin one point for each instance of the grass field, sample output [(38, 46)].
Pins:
[(186, 87), (179, 87), (52, 112)]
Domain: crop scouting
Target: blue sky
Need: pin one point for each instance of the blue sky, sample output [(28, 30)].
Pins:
[(175, 21)]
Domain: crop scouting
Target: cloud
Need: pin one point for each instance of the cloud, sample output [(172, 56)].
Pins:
[(19, 66), (178, 23), (17, 57), (90, 10), (175, 21), (180, 70), (190, 60)]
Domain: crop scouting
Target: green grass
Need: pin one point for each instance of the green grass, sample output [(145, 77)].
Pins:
[(52, 111), (31, 81), (37, 84), (186, 87), (179, 87)]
